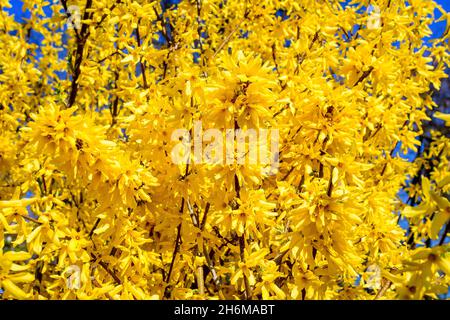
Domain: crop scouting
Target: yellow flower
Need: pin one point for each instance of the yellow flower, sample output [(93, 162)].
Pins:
[(12, 275)]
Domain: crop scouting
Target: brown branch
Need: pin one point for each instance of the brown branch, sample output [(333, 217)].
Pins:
[(363, 76), (94, 227), (159, 17), (115, 106), (211, 267), (106, 15), (301, 58), (202, 224), (105, 266), (175, 249), (81, 42), (444, 235), (192, 214), (383, 289), (141, 64), (28, 218), (225, 41), (248, 290), (200, 28), (330, 183)]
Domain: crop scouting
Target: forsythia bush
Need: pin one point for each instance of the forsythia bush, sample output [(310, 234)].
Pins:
[(88, 182)]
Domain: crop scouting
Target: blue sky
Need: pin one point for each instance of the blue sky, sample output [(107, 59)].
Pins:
[(440, 27)]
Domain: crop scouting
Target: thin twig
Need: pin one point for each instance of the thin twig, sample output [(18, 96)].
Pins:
[(105, 266), (225, 41), (383, 290)]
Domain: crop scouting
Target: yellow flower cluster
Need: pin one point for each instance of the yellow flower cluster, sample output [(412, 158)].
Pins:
[(92, 205)]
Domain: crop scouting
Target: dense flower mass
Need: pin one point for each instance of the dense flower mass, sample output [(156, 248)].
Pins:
[(92, 205)]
